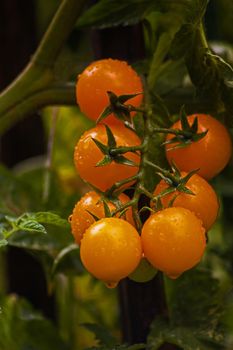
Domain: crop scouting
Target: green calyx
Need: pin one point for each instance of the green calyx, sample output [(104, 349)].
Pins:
[(176, 183), (113, 153), (118, 107), (186, 135)]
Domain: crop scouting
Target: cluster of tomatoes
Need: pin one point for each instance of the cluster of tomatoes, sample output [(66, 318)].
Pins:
[(173, 238)]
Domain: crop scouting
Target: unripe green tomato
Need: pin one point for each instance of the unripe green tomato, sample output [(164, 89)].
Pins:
[(144, 272)]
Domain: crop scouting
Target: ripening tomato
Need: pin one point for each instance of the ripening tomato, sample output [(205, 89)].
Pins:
[(211, 154), (173, 240), (204, 203), (87, 155), (111, 249), (91, 202), (102, 76)]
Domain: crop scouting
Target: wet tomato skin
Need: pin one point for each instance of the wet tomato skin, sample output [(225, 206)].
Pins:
[(173, 240), (211, 154), (204, 203), (91, 202), (102, 76), (87, 155), (111, 249)]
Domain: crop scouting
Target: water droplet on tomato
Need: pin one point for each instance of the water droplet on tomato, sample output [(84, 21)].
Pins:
[(111, 284)]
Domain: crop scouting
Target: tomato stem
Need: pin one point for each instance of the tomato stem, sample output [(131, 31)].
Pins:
[(119, 184), (122, 150)]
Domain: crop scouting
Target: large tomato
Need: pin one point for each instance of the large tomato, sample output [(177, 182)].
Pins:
[(111, 249), (102, 76), (211, 154), (173, 240), (87, 155)]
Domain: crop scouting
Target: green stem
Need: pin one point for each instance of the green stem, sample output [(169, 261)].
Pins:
[(24, 94), (119, 184), (122, 150), (124, 206), (66, 308), (54, 95), (57, 32)]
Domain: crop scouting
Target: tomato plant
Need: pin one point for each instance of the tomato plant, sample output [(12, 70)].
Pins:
[(140, 66), (103, 76)]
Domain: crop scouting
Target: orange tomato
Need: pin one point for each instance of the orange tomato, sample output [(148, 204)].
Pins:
[(211, 154), (204, 203), (91, 202), (173, 240), (87, 155), (111, 250), (102, 76)]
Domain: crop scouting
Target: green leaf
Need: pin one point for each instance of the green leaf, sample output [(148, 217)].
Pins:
[(192, 308), (111, 138), (115, 12), (68, 261), (31, 226), (102, 334), (21, 327), (50, 218), (136, 346), (183, 39), (3, 243), (185, 338)]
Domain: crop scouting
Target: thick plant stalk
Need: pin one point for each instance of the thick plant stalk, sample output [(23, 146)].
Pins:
[(24, 94)]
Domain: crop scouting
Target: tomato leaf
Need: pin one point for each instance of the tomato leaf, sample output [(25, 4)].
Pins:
[(3, 243), (196, 317), (31, 226), (119, 12), (102, 334), (22, 327), (49, 218)]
